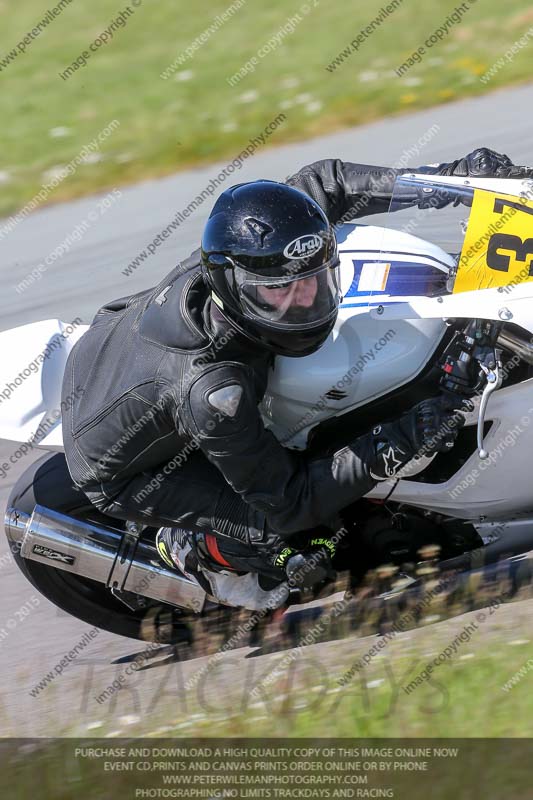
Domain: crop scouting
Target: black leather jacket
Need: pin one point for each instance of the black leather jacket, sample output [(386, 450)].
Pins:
[(149, 362)]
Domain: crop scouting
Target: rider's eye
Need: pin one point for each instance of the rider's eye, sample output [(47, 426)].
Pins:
[(276, 286)]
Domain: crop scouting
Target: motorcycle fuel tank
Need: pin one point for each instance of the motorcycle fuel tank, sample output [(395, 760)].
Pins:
[(365, 356)]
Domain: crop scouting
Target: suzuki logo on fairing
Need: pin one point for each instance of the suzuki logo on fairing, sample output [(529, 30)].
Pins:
[(303, 246)]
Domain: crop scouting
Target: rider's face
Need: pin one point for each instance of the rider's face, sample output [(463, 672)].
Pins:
[(300, 293)]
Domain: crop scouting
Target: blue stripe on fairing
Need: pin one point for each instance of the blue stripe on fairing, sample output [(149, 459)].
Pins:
[(382, 302), (400, 253), (405, 279)]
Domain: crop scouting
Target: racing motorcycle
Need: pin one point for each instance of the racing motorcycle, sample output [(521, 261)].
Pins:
[(438, 299)]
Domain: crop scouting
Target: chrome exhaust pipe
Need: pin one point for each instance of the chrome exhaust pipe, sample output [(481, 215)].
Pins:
[(122, 562)]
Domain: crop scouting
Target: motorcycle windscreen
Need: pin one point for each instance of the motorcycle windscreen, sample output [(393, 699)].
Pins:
[(445, 235), (420, 243)]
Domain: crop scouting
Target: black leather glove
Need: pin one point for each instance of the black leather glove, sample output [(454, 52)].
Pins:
[(520, 172), (482, 162), (432, 426), (307, 568)]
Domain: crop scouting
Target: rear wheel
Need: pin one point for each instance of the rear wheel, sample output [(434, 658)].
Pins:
[(48, 483)]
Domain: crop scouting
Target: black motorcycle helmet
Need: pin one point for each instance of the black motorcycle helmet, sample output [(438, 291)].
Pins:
[(269, 256)]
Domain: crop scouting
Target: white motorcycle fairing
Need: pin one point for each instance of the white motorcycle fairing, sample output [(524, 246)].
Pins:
[(32, 364)]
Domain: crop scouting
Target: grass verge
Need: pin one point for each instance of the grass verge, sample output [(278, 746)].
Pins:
[(194, 114)]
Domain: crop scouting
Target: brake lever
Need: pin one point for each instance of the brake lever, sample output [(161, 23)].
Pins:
[(494, 381)]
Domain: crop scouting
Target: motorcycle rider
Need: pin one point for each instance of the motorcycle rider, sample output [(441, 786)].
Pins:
[(167, 431)]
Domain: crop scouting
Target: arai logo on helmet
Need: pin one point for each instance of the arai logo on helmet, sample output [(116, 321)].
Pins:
[(303, 246)]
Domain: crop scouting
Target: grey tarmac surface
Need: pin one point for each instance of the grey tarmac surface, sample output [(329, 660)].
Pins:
[(91, 274)]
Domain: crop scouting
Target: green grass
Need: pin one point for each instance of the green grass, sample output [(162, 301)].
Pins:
[(463, 699), (166, 125)]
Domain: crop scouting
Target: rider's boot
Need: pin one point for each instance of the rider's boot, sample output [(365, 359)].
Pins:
[(249, 573), (198, 557)]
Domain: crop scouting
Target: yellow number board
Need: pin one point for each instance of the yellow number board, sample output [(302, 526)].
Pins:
[(498, 246)]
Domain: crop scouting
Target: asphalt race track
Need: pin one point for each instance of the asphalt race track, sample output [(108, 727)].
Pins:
[(89, 275)]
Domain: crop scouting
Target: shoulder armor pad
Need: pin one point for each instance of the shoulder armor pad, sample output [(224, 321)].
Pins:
[(221, 402)]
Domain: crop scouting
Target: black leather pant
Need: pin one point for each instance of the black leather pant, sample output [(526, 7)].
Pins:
[(195, 497)]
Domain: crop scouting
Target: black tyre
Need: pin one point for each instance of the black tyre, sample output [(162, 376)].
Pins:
[(47, 482)]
